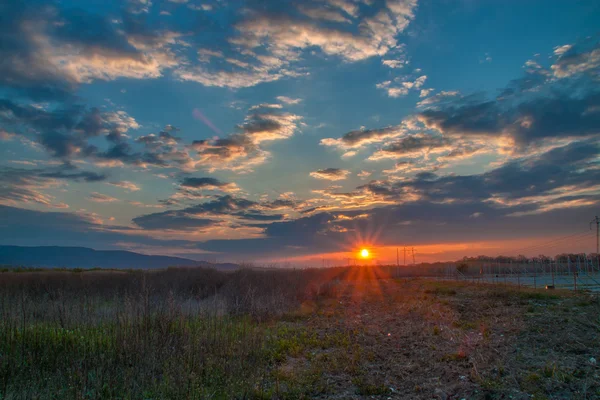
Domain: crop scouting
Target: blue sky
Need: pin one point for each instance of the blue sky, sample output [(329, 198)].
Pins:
[(282, 130)]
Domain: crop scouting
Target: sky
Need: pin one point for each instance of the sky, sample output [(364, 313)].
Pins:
[(301, 131)]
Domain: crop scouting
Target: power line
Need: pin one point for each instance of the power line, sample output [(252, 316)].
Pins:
[(582, 237), (528, 248), (551, 241), (553, 244)]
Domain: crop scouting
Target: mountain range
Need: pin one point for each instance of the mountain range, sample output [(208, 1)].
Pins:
[(82, 257)]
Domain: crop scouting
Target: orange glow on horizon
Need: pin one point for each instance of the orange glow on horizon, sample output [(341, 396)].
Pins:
[(434, 252)]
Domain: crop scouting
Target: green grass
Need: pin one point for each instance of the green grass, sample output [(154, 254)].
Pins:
[(150, 358)]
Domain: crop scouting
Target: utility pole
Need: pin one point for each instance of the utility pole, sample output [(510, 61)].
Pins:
[(397, 258), (413, 251), (404, 255), (597, 222)]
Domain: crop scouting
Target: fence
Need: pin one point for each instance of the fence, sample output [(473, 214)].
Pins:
[(580, 274)]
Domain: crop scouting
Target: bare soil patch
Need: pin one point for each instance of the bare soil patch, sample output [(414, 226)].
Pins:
[(424, 339)]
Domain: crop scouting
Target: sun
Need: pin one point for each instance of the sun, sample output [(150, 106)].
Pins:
[(364, 253)]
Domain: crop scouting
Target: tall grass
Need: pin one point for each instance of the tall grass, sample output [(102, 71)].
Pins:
[(181, 333), (177, 333)]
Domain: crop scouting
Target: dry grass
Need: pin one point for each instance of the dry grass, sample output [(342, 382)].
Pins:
[(334, 333)]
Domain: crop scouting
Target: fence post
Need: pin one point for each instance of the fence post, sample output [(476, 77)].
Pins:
[(534, 277)]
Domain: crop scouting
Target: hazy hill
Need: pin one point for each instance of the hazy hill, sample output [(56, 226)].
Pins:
[(82, 257)]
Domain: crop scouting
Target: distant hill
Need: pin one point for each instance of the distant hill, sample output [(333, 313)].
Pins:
[(82, 257)]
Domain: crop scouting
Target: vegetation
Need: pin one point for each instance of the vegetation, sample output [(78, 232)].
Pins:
[(357, 332)]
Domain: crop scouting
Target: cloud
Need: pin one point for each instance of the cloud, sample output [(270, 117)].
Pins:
[(425, 92), (234, 80), (242, 150), (206, 183), (543, 105), (524, 123), (127, 185), (48, 51), (67, 134), (323, 13), (289, 100), (63, 173), (405, 168), (101, 198), (393, 63), (173, 220), (530, 195), (226, 212), (283, 35), (402, 86), (364, 174), (330, 174), (264, 124), (66, 130), (22, 186), (268, 42), (560, 50), (364, 137), (236, 152), (577, 59), (412, 146), (30, 186), (139, 6), (441, 96)]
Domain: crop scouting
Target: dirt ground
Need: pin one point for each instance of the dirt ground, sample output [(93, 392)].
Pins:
[(424, 339)]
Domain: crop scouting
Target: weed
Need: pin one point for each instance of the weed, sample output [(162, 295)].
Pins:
[(366, 388), (458, 356)]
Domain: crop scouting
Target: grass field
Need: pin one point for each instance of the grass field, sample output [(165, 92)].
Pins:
[(334, 333)]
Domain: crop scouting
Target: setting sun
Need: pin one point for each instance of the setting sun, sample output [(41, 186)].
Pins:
[(364, 253)]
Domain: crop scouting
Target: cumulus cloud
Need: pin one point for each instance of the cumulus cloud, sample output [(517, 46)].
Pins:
[(242, 150), (65, 131), (545, 105), (573, 60), (48, 51), (402, 86), (524, 123), (268, 46), (330, 174)]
